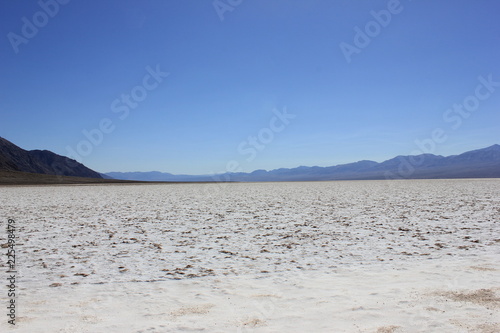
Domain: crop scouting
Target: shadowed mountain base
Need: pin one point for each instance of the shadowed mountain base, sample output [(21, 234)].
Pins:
[(27, 178)]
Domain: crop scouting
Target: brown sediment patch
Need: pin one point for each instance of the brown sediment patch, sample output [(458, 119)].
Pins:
[(484, 297), (387, 329), (430, 308), (196, 310), (253, 322), (488, 328), (482, 328), (480, 268)]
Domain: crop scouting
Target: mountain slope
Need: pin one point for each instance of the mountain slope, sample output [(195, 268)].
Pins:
[(480, 163), (14, 158)]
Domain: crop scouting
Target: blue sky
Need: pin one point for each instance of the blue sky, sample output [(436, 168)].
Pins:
[(233, 66)]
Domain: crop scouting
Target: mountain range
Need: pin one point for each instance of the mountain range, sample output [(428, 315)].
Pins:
[(16, 159), (480, 163), (17, 163)]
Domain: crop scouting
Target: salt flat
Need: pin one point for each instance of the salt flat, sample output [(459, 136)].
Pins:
[(352, 256)]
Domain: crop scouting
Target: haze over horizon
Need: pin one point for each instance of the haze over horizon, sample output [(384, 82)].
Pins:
[(202, 87)]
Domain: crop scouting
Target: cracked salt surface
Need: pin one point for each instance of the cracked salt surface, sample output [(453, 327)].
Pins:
[(106, 235), (97, 234)]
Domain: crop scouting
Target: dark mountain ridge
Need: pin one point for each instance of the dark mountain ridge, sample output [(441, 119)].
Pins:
[(14, 158)]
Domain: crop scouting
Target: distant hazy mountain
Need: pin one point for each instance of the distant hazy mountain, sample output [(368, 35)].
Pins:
[(13, 158), (481, 163)]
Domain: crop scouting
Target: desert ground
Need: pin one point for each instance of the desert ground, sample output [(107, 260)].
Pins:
[(344, 256)]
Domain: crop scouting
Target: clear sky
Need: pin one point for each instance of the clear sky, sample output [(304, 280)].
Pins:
[(191, 86)]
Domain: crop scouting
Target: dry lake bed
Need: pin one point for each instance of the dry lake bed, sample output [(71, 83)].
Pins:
[(345, 256)]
